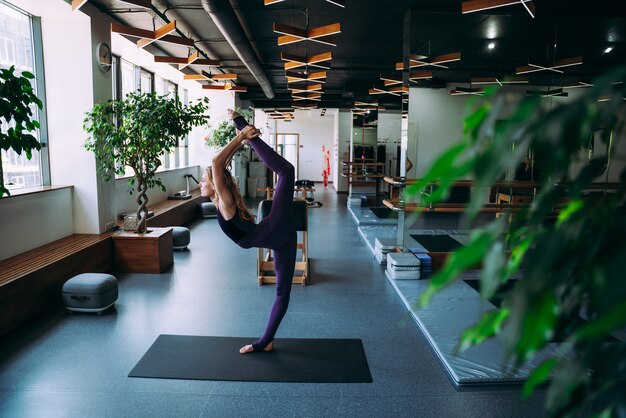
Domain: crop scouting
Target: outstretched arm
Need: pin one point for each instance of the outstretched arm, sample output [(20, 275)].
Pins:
[(219, 163)]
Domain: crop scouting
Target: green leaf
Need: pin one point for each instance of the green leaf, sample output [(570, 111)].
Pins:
[(538, 324), (493, 268), (572, 207), (458, 261), (442, 166), (489, 325), (538, 376), (600, 327)]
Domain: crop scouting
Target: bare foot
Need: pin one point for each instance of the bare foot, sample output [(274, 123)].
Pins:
[(233, 114), (249, 349)]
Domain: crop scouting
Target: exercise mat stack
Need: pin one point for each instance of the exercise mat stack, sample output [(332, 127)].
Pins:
[(403, 266), (426, 264), (354, 200), (382, 246)]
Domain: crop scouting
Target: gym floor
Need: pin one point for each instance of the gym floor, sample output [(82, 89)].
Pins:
[(77, 365)]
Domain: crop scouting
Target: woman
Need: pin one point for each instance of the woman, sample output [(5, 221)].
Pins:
[(276, 231)]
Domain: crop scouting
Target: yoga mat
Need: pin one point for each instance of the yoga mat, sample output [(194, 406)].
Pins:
[(218, 358), (496, 300), (384, 213), (437, 243)]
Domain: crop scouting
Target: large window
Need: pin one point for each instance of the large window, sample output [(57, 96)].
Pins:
[(20, 46)]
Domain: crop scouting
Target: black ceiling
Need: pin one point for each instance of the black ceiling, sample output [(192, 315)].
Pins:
[(371, 40)]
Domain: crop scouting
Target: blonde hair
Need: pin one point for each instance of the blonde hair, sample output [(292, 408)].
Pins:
[(244, 212)]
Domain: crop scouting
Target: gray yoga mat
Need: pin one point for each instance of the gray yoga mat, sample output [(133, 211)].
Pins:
[(218, 358)]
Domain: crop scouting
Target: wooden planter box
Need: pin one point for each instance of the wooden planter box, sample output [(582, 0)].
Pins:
[(151, 252)]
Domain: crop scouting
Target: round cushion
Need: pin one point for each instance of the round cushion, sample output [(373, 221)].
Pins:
[(90, 292), (208, 209), (181, 237)]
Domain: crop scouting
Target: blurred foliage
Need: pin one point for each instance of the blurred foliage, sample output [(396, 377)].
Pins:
[(567, 248), (226, 131), (17, 98)]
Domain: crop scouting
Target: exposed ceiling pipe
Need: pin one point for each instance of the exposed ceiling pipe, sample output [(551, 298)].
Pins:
[(225, 19), (163, 9)]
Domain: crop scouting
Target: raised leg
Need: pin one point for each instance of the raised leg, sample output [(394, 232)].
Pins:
[(279, 223)]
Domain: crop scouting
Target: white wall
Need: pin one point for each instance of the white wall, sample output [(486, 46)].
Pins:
[(314, 131), (389, 124), (435, 123), (342, 149), (68, 66), (29, 221)]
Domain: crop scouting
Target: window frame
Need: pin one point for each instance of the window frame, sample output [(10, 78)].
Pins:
[(39, 88)]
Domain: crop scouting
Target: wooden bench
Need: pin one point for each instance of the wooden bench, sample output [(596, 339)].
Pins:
[(30, 283)]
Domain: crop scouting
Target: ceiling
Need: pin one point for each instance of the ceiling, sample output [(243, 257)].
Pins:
[(371, 41)]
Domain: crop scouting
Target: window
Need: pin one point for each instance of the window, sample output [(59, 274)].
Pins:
[(20, 46), (128, 78), (145, 81)]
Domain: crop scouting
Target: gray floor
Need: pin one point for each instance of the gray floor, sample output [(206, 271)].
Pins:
[(77, 365)]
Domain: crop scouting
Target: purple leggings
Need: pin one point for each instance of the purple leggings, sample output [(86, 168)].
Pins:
[(275, 231)]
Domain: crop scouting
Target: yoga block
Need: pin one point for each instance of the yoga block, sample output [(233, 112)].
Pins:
[(181, 237), (90, 292)]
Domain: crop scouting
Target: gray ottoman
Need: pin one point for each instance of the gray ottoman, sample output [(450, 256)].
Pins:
[(90, 292), (181, 237), (208, 210)]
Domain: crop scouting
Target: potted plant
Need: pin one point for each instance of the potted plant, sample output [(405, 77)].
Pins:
[(225, 132), (16, 100), (135, 132), (567, 247)]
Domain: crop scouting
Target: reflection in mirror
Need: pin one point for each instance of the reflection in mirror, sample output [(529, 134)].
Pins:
[(362, 170)]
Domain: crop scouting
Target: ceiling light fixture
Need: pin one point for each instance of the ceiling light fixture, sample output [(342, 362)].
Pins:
[(436, 61), (472, 6), (77, 4), (295, 61), (320, 34), (293, 77), (495, 80), (340, 3), (565, 62), (183, 62), (149, 36)]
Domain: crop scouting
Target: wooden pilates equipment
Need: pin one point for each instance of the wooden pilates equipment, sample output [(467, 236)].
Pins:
[(506, 199), (265, 261)]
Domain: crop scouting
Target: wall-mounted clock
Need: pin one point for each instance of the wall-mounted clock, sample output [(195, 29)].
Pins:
[(104, 57)]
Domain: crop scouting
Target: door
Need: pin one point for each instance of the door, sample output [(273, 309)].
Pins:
[(288, 146)]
